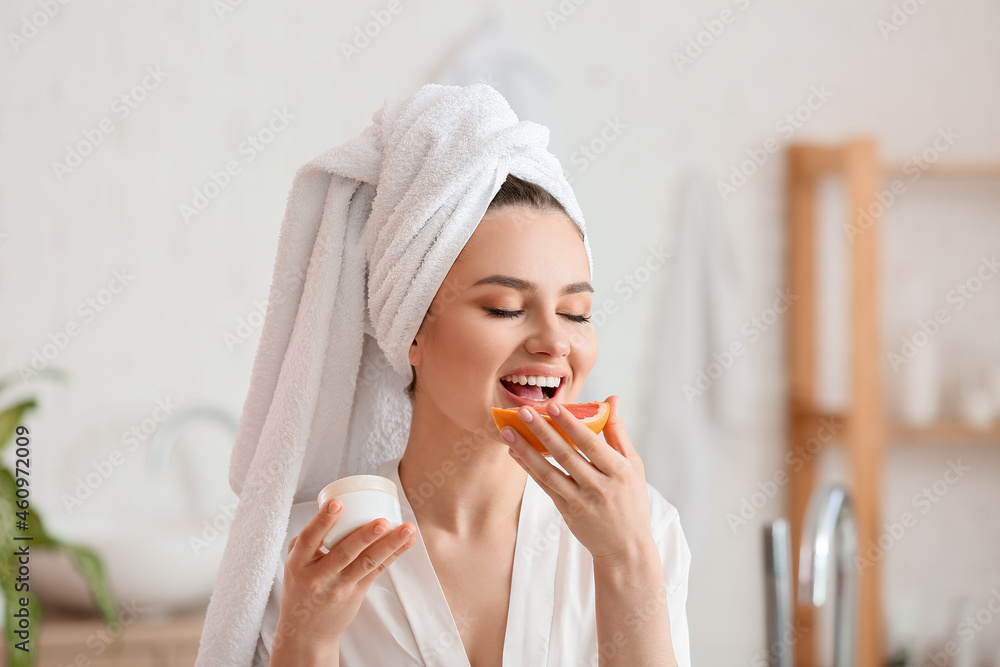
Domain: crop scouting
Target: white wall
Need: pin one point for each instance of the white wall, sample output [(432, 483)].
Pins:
[(163, 336)]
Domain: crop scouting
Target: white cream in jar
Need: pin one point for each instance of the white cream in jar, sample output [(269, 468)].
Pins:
[(364, 498)]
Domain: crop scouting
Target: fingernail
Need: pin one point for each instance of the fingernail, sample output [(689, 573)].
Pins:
[(525, 414), (508, 434), (406, 532), (379, 529), (553, 409), (333, 507)]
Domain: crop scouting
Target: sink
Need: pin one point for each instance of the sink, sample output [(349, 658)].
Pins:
[(159, 524), (154, 567)]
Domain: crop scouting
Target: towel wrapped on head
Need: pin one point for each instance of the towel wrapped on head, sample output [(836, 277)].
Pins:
[(371, 229)]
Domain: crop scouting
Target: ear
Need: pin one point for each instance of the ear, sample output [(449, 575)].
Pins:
[(414, 353)]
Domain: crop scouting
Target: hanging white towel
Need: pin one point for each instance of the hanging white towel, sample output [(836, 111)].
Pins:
[(696, 321)]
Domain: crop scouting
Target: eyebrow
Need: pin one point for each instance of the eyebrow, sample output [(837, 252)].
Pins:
[(528, 286)]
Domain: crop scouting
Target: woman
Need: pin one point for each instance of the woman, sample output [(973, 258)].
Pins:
[(519, 559)]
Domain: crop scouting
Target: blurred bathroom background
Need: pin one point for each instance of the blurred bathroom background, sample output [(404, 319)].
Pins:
[(147, 150)]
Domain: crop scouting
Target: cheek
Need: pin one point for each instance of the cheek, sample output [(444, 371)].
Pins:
[(584, 344), (466, 349), (584, 357), (592, 351)]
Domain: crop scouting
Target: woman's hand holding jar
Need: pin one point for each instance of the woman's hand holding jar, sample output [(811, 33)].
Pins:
[(321, 593)]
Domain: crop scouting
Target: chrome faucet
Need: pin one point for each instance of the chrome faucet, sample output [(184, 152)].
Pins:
[(778, 589), (831, 532), (162, 445), (829, 527)]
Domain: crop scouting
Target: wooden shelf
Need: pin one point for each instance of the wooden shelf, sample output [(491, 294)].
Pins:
[(944, 432), (946, 170), (952, 432)]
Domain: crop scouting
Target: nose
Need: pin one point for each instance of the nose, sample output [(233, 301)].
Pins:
[(551, 337)]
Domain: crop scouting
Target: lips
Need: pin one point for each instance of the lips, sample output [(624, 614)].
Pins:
[(517, 401)]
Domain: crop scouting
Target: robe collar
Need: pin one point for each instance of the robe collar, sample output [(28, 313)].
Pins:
[(541, 537)]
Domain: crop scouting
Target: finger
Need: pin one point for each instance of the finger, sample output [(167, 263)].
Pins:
[(292, 543), (558, 499), (601, 456), (311, 537), (344, 552), (551, 479), (569, 458), (371, 576), (371, 558), (614, 430)]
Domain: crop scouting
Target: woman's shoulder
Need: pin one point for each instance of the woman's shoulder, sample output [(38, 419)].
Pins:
[(665, 523), (662, 512)]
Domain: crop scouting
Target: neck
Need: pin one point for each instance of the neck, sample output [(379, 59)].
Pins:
[(459, 481)]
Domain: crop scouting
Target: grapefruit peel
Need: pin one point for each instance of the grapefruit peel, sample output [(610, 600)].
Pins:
[(593, 414)]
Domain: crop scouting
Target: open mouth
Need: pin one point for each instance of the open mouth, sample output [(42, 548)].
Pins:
[(526, 394)]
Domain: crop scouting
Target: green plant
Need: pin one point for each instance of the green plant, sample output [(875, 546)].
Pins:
[(19, 519)]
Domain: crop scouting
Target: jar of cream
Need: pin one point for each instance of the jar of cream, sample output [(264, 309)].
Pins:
[(364, 499)]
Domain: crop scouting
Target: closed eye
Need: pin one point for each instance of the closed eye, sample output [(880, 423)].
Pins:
[(507, 314)]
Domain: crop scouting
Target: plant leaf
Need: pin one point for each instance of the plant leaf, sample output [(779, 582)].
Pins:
[(89, 564), (8, 508), (33, 528), (10, 418), (52, 372), (15, 656), (8, 573)]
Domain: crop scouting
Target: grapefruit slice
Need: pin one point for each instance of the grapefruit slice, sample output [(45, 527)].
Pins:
[(594, 414)]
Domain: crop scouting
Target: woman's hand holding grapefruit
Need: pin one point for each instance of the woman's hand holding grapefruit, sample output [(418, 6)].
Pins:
[(604, 501)]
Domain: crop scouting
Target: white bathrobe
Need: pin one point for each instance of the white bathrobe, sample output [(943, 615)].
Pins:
[(405, 620)]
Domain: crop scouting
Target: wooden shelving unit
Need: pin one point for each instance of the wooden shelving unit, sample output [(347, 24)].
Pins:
[(944, 433), (863, 429)]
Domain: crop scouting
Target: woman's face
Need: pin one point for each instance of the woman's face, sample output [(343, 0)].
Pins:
[(532, 264)]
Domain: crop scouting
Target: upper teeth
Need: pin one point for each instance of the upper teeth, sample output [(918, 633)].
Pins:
[(539, 380)]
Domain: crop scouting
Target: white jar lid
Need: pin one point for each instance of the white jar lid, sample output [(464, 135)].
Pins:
[(357, 483)]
